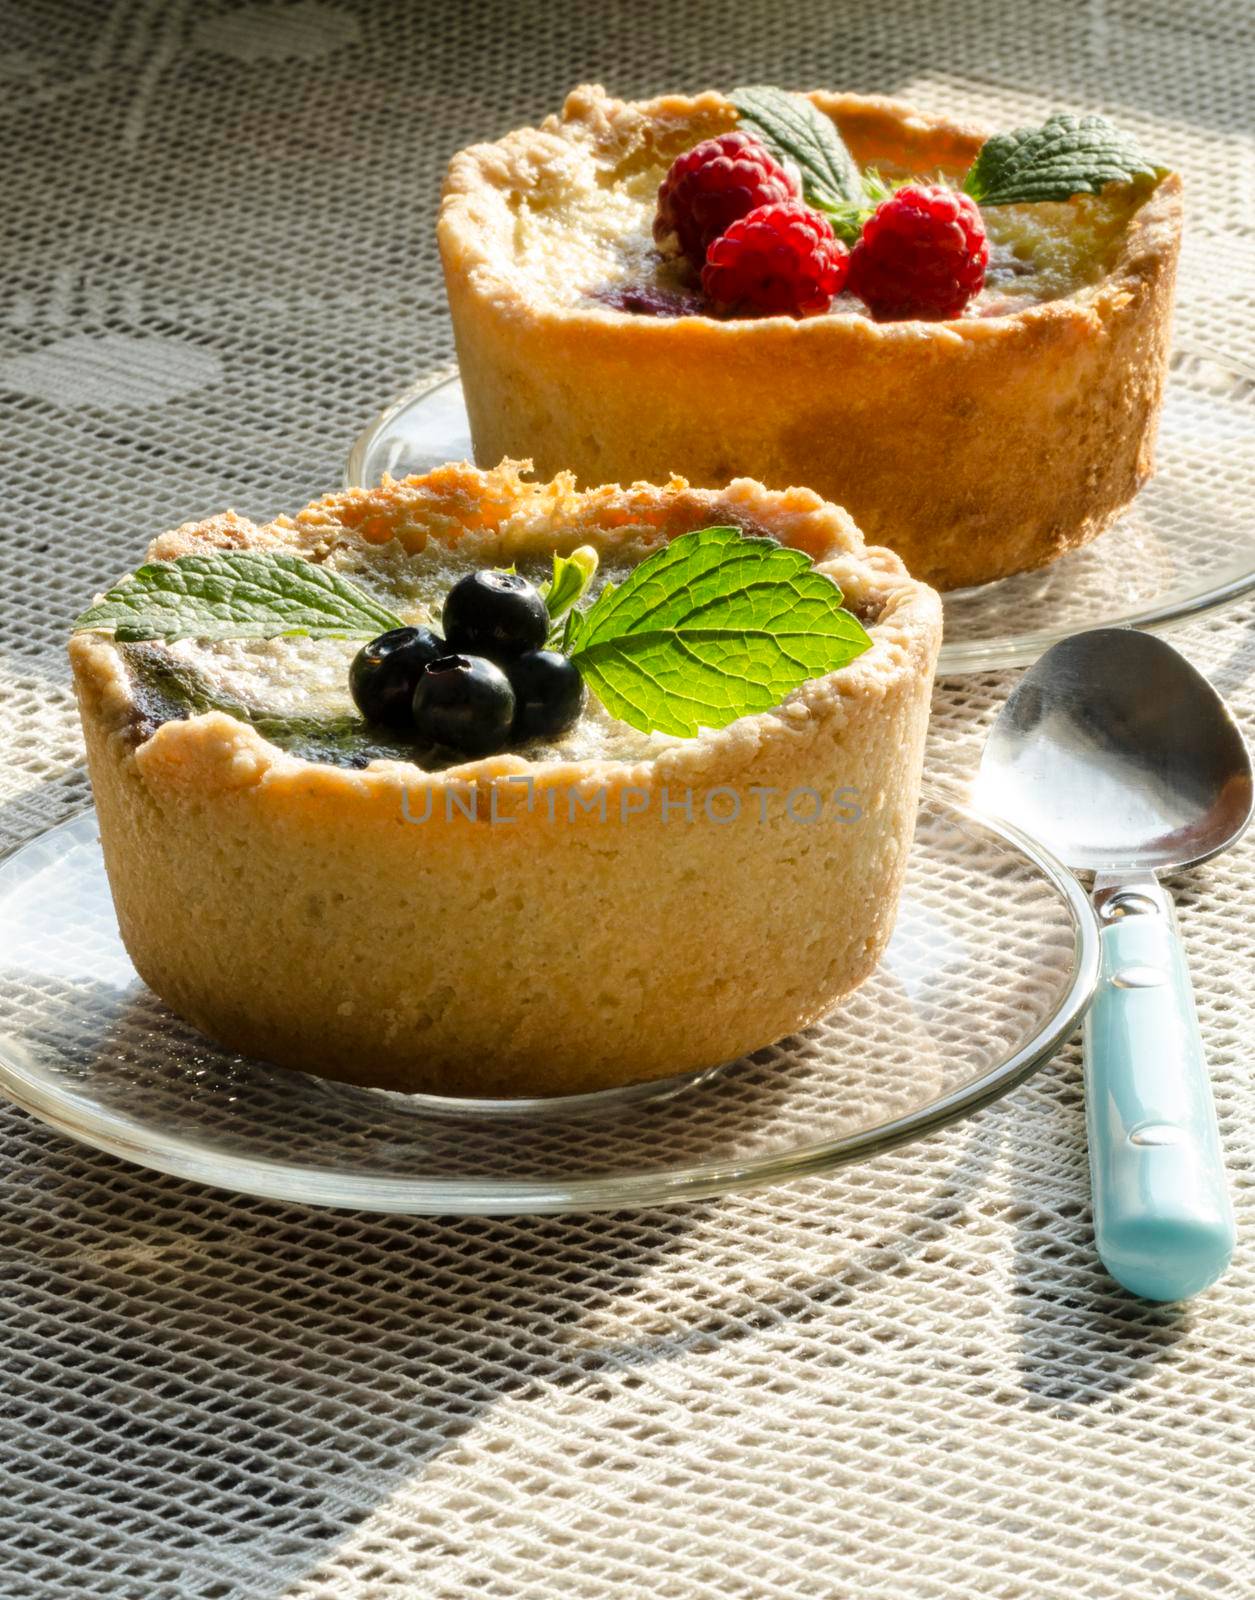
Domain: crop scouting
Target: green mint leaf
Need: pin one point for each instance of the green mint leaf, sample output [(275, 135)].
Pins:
[(236, 594), (795, 130), (1067, 155), (571, 577), (710, 628)]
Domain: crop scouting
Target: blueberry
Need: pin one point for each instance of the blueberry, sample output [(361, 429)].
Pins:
[(548, 694), (385, 674), (466, 703), (495, 614)]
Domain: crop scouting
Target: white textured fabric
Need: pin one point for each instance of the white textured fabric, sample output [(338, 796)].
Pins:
[(910, 1381)]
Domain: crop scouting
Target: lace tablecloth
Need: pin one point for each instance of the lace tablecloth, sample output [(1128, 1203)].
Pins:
[(910, 1380)]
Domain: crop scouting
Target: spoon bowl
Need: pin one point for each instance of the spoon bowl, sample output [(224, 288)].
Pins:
[(1120, 756)]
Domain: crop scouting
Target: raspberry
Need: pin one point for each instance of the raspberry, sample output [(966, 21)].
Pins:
[(780, 259), (711, 185), (922, 253)]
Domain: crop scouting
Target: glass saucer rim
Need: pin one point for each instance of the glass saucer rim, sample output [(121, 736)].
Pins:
[(272, 1178), (957, 658)]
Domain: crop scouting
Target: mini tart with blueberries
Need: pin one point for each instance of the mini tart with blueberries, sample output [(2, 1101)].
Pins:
[(975, 442), (591, 905)]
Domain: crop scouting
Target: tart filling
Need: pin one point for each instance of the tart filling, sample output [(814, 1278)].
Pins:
[(295, 691), (475, 659), (654, 228), (583, 238)]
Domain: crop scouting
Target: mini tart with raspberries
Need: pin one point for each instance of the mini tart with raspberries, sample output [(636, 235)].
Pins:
[(978, 447), (556, 919)]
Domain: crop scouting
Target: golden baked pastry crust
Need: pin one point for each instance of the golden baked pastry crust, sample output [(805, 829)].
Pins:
[(974, 448), (290, 911)]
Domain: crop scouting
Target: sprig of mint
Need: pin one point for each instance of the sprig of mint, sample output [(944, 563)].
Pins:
[(237, 594), (795, 130), (710, 628), (1067, 155)]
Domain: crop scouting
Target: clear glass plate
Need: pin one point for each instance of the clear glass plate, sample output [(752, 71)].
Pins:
[(993, 960), (1186, 545)]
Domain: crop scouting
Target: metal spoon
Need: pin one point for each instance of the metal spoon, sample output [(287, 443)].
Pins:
[(1121, 758)]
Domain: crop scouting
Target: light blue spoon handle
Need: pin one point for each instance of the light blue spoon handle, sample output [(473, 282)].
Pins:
[(1163, 1222)]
